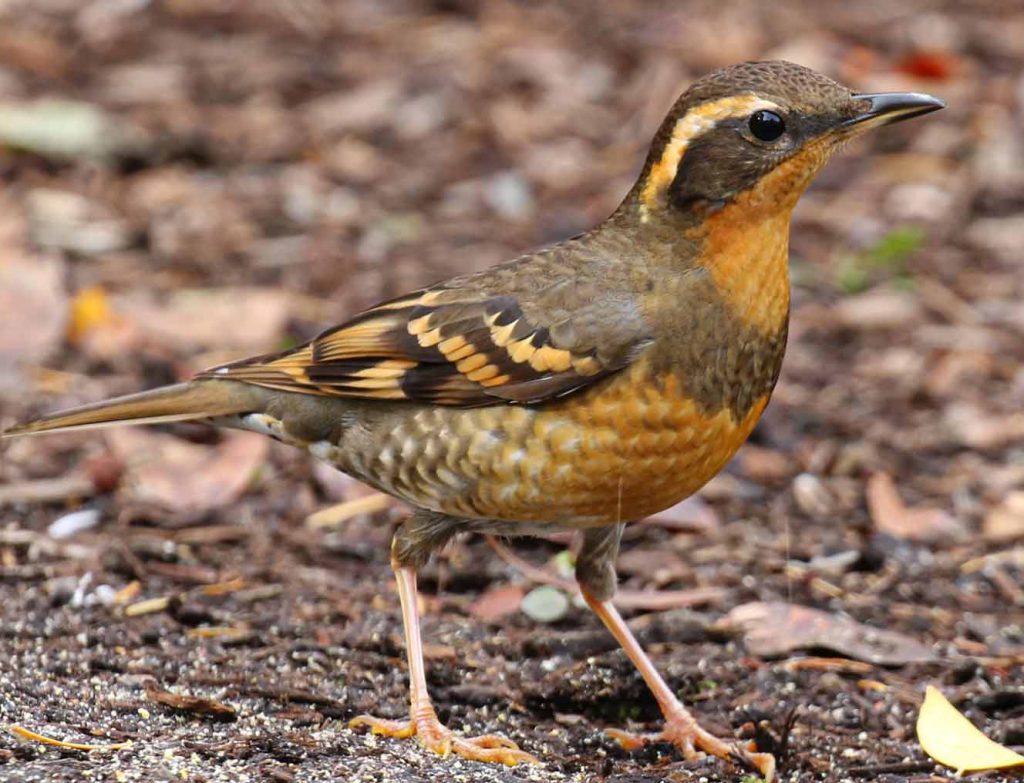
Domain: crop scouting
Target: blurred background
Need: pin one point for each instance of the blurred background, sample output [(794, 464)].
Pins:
[(189, 181)]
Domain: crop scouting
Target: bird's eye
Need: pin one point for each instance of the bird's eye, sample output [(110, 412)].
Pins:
[(766, 125)]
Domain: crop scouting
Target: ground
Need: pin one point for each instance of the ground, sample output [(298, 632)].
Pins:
[(229, 177)]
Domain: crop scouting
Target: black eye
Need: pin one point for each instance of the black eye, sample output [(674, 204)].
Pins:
[(766, 125)]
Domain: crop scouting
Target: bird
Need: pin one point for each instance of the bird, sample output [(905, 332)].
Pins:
[(581, 387)]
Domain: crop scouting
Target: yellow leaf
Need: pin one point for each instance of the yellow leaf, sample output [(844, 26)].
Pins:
[(89, 309), (949, 738)]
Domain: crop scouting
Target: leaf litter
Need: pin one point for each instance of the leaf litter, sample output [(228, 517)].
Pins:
[(470, 133)]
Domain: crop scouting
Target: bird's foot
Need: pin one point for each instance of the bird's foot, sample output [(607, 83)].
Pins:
[(693, 742), (437, 737)]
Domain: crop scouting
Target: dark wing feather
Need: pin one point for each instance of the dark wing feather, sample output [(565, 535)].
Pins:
[(451, 346)]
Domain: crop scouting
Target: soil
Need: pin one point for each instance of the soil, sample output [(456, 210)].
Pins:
[(290, 163)]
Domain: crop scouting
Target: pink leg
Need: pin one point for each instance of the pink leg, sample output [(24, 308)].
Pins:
[(423, 722), (681, 728)]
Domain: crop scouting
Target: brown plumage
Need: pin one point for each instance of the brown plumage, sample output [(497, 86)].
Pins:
[(583, 386)]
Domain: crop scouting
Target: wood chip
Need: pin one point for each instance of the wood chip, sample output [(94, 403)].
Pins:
[(196, 705), (148, 606), (841, 665), (127, 593), (218, 632), (341, 513), (223, 588)]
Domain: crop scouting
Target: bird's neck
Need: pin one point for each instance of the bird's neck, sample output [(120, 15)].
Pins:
[(745, 249), (743, 242)]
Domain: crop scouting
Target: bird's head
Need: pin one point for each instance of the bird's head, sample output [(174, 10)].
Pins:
[(759, 129)]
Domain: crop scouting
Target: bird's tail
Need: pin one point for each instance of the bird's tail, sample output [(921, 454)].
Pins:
[(182, 402)]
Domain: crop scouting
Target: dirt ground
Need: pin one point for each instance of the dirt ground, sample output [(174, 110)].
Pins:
[(189, 181)]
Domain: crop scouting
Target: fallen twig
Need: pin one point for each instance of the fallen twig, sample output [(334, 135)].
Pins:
[(197, 705), (47, 490), (650, 600)]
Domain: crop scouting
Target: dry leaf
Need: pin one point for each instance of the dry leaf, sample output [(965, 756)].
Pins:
[(238, 319), (1006, 521), (878, 309), (183, 477), (65, 220), (367, 107), (931, 64), (34, 51), (975, 427), (33, 304), (772, 629), (949, 738), (657, 564), (497, 602), (337, 486), (764, 464), (90, 310), (997, 236), (893, 517), (691, 515)]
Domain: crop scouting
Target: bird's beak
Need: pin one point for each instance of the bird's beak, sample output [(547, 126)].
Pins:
[(885, 107)]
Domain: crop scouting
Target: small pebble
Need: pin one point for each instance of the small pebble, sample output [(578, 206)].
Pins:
[(545, 604), (75, 522)]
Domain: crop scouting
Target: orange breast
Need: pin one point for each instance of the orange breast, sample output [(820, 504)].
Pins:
[(623, 450)]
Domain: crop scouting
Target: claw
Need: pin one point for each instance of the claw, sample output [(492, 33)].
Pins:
[(629, 741), (436, 737), (396, 729), (693, 742)]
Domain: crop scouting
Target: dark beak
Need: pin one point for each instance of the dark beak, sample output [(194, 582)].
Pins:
[(885, 107)]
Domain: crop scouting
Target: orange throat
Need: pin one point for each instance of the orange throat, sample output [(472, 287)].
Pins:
[(746, 242), (747, 255)]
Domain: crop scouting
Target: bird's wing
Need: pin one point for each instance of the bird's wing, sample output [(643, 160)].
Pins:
[(463, 343)]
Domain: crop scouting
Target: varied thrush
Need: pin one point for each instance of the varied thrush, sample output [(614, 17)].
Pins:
[(579, 387)]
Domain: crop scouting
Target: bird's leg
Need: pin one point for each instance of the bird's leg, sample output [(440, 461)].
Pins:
[(595, 571), (423, 722)]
